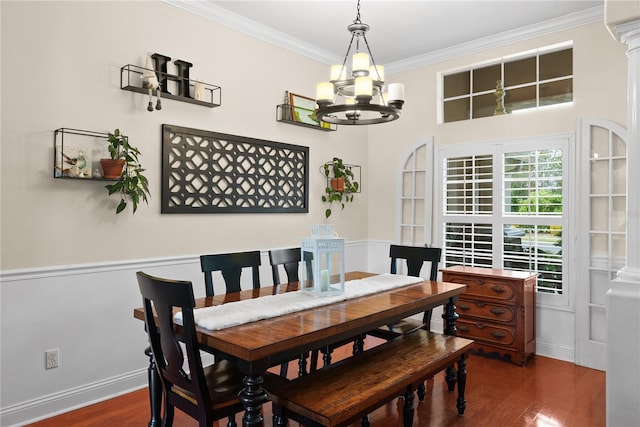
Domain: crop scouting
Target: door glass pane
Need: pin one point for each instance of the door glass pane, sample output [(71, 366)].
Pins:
[(420, 191), (407, 211), (618, 246), (421, 157), (599, 142), (619, 176), (599, 213), (619, 214), (600, 177), (407, 184), (599, 245), (418, 217)]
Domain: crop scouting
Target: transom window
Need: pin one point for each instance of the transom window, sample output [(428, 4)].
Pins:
[(535, 79)]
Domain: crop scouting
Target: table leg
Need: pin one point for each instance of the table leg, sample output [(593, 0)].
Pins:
[(450, 316), (155, 390), (252, 397), (462, 383)]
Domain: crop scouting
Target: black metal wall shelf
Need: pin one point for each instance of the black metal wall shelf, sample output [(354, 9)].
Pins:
[(284, 114), (131, 80), (77, 154)]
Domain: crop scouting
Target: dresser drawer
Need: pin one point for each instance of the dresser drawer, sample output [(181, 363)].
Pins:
[(490, 333), (485, 310), (484, 286)]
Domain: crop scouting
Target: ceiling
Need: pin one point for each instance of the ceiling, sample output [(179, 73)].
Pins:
[(403, 34)]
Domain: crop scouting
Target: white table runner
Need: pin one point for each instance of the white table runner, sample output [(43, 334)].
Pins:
[(240, 312)]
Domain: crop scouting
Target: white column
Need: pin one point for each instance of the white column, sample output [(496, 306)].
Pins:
[(623, 297)]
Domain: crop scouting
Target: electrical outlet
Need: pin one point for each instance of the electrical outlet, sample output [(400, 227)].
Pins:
[(51, 359)]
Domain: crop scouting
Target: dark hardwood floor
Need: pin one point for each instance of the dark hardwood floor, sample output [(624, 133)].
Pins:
[(545, 393)]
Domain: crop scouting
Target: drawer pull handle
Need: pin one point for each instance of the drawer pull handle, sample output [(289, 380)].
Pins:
[(497, 311), (480, 303), (463, 328), (498, 335), (498, 289), (480, 325), (480, 281), (464, 307)]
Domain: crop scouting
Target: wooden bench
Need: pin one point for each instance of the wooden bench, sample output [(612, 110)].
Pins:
[(350, 389)]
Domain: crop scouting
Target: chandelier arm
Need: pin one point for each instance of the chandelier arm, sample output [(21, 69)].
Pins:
[(346, 55)]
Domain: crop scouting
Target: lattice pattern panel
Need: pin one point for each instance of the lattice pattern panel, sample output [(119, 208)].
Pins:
[(209, 172)]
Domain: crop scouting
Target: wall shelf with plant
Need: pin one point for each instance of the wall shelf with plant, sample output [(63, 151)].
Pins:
[(84, 155), (343, 181)]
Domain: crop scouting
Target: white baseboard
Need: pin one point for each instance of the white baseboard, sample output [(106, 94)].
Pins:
[(68, 400)]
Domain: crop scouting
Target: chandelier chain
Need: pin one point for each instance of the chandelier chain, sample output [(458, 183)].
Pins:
[(357, 20)]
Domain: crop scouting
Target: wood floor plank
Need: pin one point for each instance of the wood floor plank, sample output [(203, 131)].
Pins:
[(547, 392)]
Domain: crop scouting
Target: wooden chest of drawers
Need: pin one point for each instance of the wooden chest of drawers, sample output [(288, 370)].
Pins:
[(497, 311)]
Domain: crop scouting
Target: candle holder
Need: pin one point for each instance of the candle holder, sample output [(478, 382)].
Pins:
[(323, 256)]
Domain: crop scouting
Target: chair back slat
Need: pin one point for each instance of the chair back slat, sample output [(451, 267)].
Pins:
[(289, 259), (230, 265), (415, 257)]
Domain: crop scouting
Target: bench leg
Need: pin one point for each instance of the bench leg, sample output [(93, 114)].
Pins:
[(302, 364), (451, 377), (408, 408), (278, 419), (358, 344), (462, 383), (326, 356), (422, 392)]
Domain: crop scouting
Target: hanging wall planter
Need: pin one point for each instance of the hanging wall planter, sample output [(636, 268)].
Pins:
[(341, 183)]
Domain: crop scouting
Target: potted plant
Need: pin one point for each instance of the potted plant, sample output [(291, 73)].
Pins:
[(131, 184), (341, 184)]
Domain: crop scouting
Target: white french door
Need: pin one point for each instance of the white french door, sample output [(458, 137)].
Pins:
[(602, 238)]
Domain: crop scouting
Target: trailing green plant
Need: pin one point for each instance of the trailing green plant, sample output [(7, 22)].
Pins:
[(132, 185), (342, 193)]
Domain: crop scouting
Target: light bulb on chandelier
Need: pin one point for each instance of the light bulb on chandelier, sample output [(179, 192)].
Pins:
[(359, 97)]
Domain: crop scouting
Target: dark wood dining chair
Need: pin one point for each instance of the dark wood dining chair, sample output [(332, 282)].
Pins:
[(289, 259), (205, 393), (415, 258), (230, 265)]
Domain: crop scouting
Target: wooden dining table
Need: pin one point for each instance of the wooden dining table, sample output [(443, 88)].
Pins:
[(259, 345)]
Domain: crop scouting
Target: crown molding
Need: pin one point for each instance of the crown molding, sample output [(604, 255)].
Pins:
[(255, 29), (573, 20), (262, 32)]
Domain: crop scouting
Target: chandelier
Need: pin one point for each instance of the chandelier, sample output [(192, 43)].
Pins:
[(358, 98)]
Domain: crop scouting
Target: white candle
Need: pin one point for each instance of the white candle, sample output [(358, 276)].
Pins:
[(324, 280), (324, 91), (364, 86), (396, 92), (360, 61)]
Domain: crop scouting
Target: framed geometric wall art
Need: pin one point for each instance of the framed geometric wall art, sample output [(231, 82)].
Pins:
[(211, 172)]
